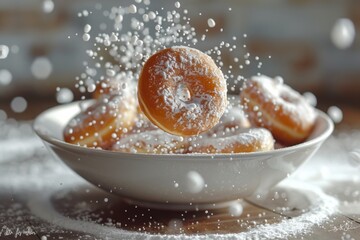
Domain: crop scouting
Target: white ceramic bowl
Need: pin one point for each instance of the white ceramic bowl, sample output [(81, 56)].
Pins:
[(177, 181)]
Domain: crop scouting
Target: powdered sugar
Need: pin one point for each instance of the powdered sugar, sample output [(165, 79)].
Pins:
[(155, 141), (235, 141)]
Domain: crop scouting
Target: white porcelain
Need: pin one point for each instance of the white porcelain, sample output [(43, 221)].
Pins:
[(163, 180)]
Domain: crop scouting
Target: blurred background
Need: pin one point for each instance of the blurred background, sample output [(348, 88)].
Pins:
[(313, 45)]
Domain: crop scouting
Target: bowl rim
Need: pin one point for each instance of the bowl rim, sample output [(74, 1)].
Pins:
[(183, 157)]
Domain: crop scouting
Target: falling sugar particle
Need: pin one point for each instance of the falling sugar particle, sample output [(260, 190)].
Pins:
[(85, 13), (87, 28), (64, 95), (91, 88), (279, 80), (41, 68), (335, 114), (5, 77), (132, 8), (119, 18), (86, 37), (110, 72), (177, 4), (310, 98), (195, 182), (113, 37), (138, 56), (152, 15), (18, 104), (43, 238), (90, 53), (145, 18), (106, 200), (343, 33), (47, 6), (211, 23), (107, 42), (4, 51), (235, 209)]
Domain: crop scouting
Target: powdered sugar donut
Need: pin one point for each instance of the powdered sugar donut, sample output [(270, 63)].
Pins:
[(235, 141), (182, 91), (273, 105), (154, 141), (103, 123)]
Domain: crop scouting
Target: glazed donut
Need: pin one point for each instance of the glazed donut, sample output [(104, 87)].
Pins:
[(182, 91), (154, 141), (101, 124), (236, 141), (271, 104)]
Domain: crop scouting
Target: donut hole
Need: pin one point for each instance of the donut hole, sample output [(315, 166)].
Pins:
[(183, 93)]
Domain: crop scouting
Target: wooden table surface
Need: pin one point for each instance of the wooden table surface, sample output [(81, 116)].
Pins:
[(40, 198)]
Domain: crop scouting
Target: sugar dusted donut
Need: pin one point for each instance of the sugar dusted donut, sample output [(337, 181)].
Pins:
[(154, 141), (271, 104), (182, 91), (103, 123), (236, 141)]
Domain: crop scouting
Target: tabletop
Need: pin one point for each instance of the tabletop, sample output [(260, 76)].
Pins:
[(40, 198)]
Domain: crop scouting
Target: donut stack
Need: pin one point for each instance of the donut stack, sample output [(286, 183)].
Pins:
[(182, 107)]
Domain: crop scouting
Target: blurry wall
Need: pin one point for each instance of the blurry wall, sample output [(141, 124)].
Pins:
[(45, 52)]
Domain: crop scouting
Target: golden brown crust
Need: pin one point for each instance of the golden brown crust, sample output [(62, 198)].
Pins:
[(278, 108), (102, 123), (162, 76)]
